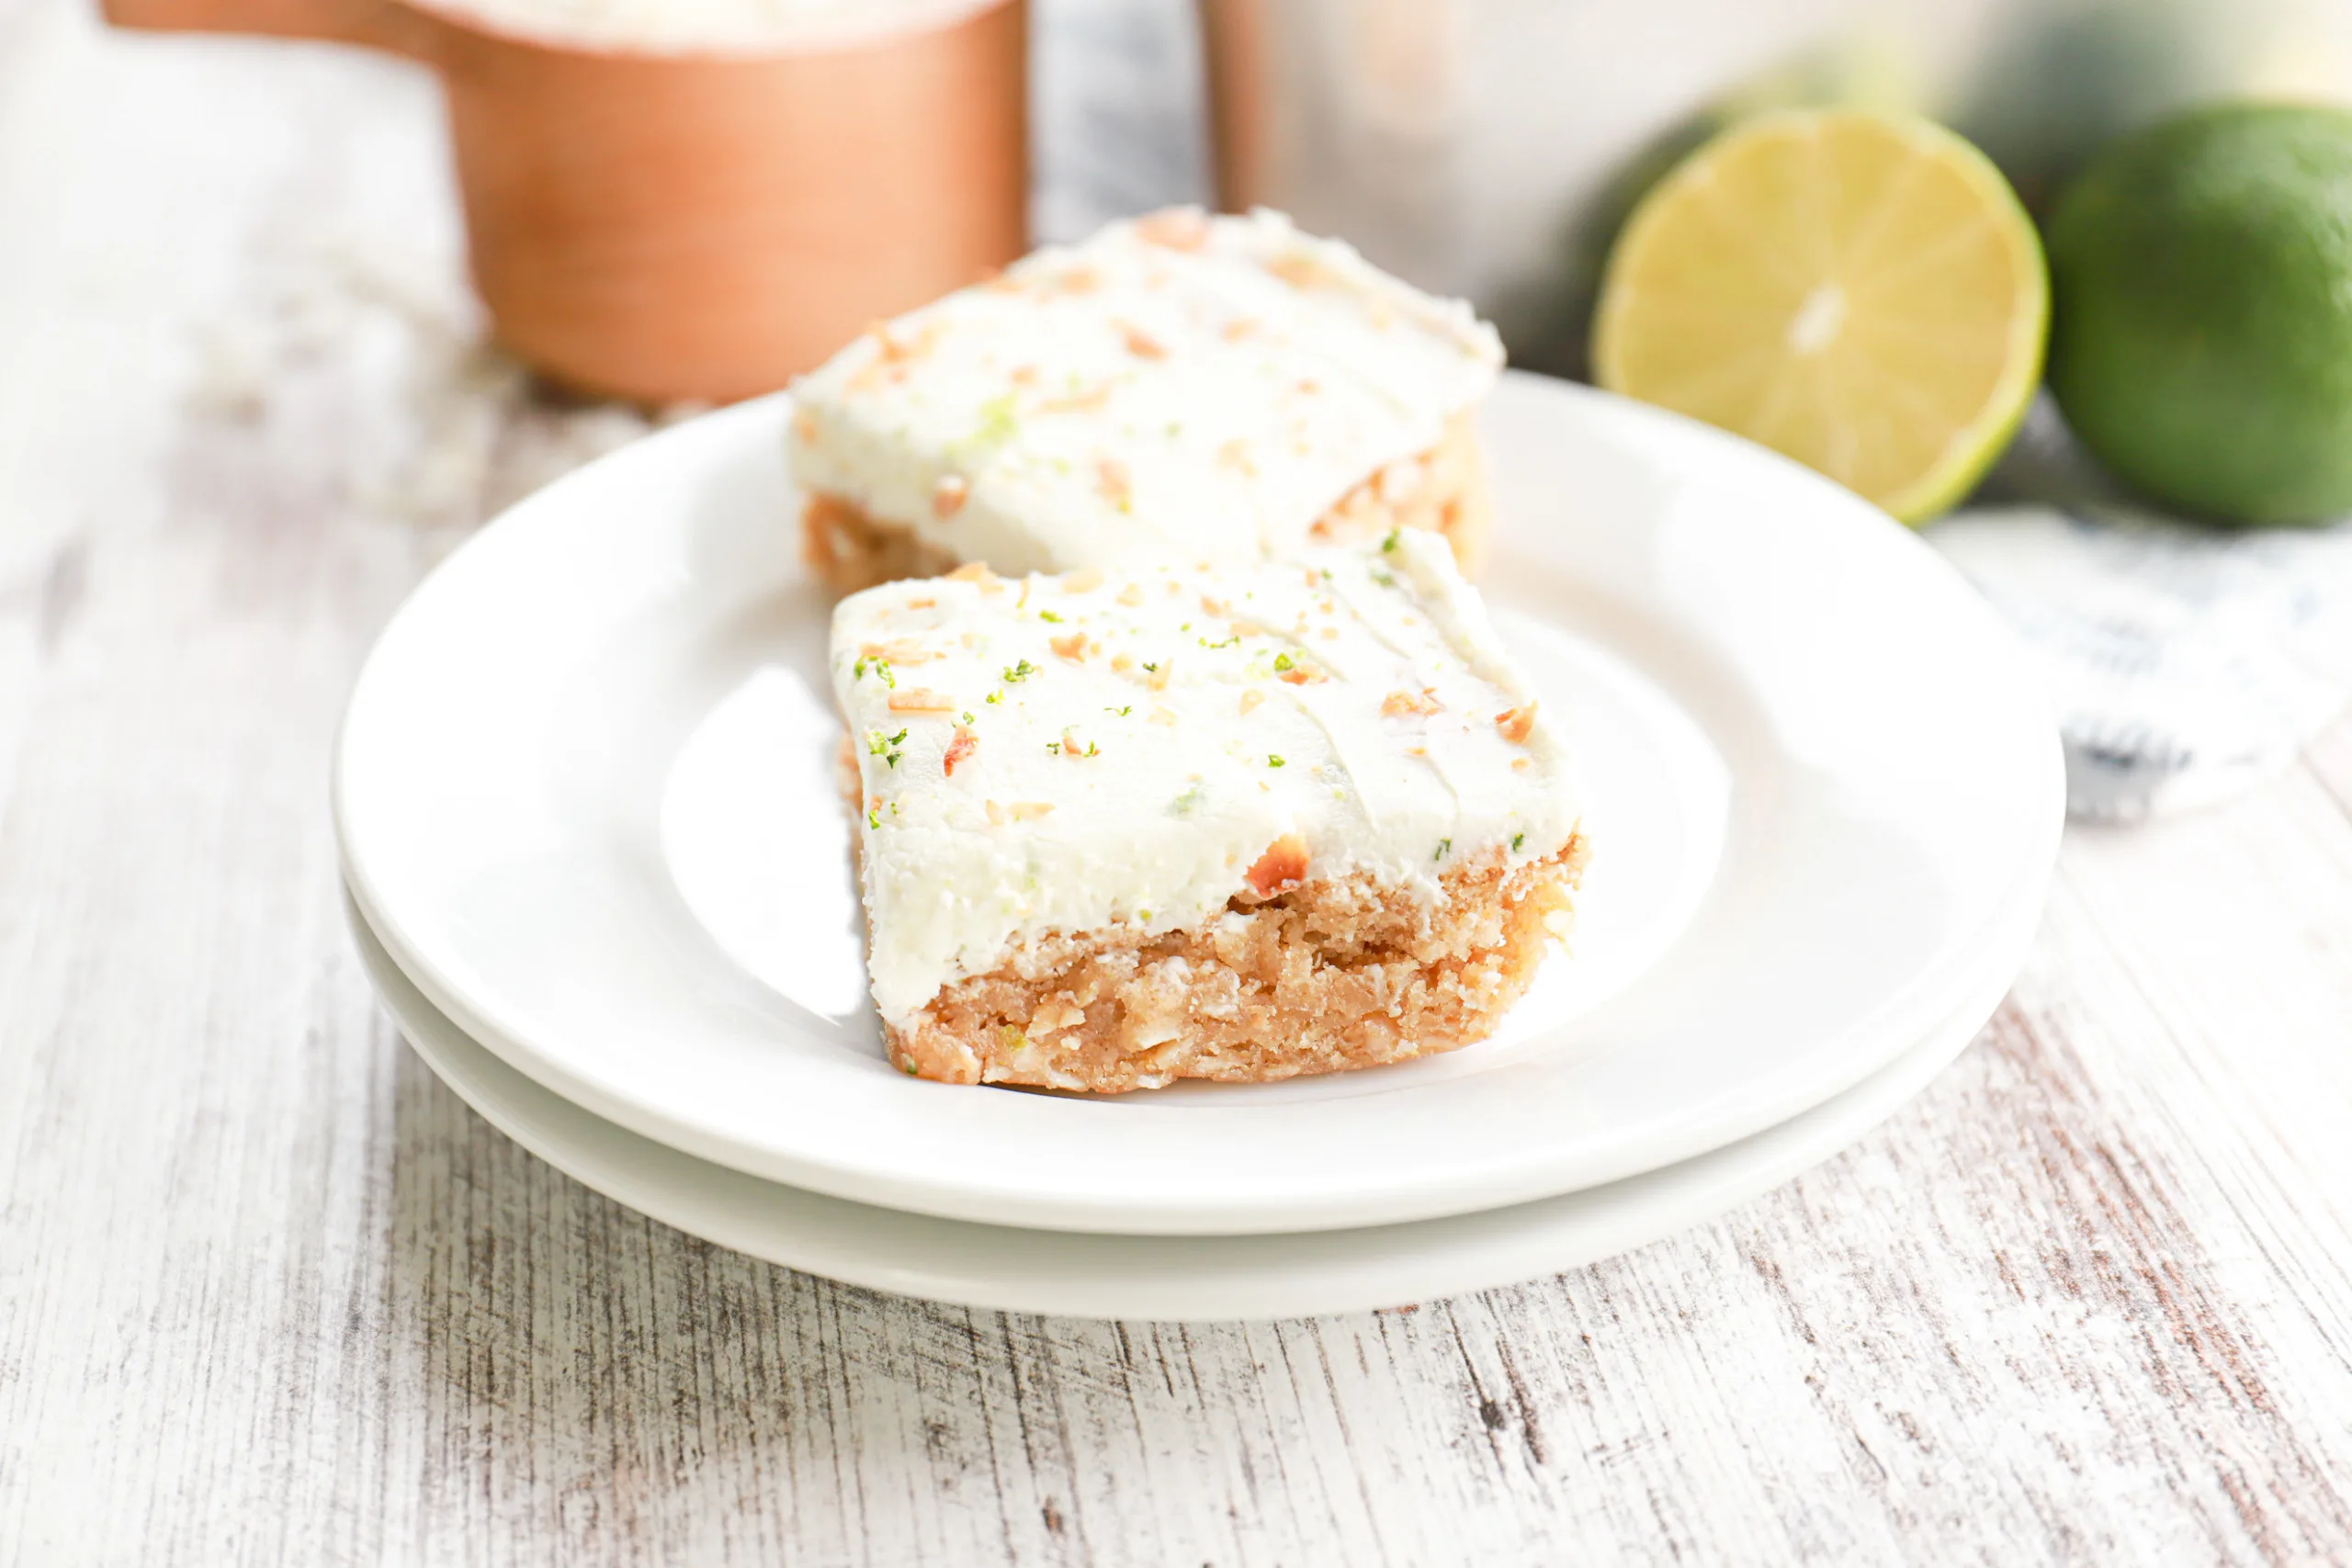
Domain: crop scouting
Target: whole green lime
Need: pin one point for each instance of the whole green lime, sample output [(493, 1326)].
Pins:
[(2201, 311)]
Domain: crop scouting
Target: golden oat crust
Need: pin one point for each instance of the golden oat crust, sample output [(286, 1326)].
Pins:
[(1326, 977)]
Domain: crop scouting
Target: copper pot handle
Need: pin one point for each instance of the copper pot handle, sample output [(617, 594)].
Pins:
[(375, 24)]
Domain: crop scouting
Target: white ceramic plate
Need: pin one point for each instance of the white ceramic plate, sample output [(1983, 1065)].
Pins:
[(585, 797), (1076, 1274)]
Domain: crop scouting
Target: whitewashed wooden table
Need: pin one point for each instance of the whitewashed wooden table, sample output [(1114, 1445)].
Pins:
[(270, 1294)]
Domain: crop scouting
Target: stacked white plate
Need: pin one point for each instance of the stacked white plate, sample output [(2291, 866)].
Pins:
[(599, 872)]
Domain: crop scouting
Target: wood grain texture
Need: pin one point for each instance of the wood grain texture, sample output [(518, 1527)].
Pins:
[(269, 1293)]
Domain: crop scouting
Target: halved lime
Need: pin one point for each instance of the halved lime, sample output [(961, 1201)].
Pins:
[(1861, 291)]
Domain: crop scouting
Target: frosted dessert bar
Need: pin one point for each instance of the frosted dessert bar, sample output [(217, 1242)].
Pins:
[(1120, 828), (1178, 387)]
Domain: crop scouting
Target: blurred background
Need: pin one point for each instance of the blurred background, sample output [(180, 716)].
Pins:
[(1483, 148), (1490, 148)]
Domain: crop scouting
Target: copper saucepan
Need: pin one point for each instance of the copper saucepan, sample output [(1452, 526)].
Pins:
[(662, 226)]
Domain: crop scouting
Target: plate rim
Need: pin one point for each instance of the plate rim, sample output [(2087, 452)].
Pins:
[(1316, 1273)]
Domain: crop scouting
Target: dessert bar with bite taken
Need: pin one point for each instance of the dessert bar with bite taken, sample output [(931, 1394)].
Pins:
[(1117, 828), (1178, 387)]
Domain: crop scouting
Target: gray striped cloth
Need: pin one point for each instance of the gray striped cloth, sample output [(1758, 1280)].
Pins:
[(2186, 663)]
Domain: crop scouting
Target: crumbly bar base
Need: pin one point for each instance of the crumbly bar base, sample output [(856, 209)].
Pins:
[(850, 551), (1444, 489), (1323, 977)]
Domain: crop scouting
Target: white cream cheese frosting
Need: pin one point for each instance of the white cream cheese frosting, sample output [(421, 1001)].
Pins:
[(1178, 387), (1124, 747)]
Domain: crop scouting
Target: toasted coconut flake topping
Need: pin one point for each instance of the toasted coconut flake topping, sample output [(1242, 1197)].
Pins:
[(1080, 279), (1282, 865), (894, 349), (1141, 343), (1086, 401), (1400, 701), (960, 746), (1176, 228), (1111, 477), (948, 495), (1301, 271), (894, 354)]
